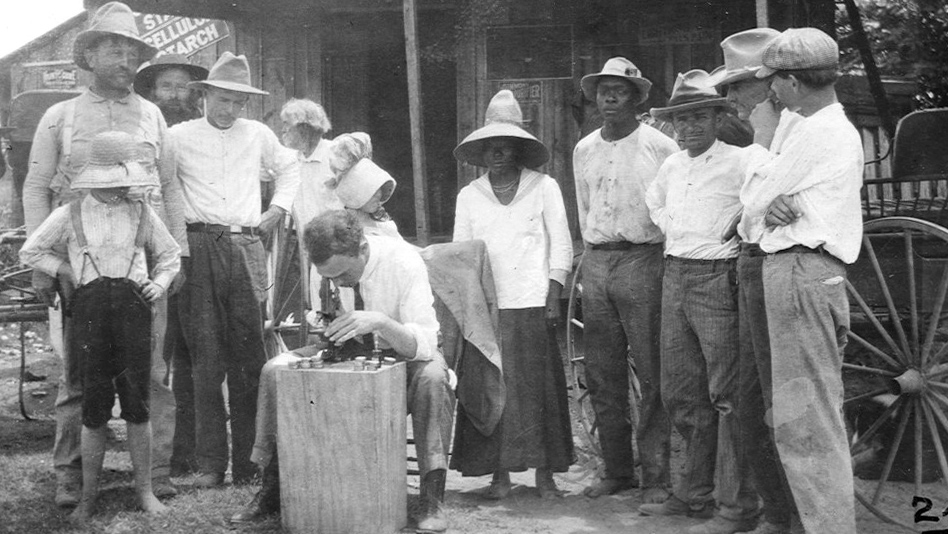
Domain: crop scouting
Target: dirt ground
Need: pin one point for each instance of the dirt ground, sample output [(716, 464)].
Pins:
[(522, 512)]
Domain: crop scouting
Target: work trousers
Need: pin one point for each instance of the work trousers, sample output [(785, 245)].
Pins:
[(756, 391), (428, 396), (182, 384), (67, 459), (700, 364), (222, 317), (622, 297), (808, 319)]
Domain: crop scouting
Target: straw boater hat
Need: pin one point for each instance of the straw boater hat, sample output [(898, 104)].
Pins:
[(618, 67), (742, 55), (232, 73), (502, 119), (799, 49), (357, 176), (691, 92), (114, 162), (113, 18), (145, 78)]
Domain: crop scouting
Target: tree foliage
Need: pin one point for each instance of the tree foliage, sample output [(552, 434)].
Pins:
[(908, 38)]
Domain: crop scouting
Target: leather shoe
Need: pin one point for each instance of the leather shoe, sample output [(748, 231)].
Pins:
[(676, 506), (68, 490), (267, 500), (162, 487), (610, 486), (209, 480), (723, 525)]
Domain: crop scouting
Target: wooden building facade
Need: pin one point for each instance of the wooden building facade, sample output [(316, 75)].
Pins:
[(350, 55)]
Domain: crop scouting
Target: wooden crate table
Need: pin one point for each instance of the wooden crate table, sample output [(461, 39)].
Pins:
[(341, 442)]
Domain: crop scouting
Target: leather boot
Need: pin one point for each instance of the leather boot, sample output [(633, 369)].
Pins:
[(267, 500), (432, 519)]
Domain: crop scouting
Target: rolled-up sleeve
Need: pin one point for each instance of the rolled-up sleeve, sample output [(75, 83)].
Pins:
[(38, 252), (416, 310), (283, 166), (557, 227)]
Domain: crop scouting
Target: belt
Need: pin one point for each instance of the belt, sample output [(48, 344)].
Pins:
[(223, 228), (614, 245), (693, 261), (800, 249)]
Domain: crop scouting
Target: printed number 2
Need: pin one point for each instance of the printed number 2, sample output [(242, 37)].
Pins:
[(926, 503)]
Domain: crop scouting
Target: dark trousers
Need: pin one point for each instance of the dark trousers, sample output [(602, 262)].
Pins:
[(700, 382), (756, 392), (182, 384), (112, 339), (223, 326), (622, 299)]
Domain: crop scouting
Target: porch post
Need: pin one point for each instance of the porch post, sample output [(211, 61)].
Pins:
[(417, 123)]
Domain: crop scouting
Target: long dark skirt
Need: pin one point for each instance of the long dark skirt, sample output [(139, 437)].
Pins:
[(534, 430)]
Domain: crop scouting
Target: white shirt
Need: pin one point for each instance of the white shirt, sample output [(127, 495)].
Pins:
[(612, 178), (314, 196), (221, 170), (751, 228), (528, 240), (693, 200), (820, 165), (395, 282)]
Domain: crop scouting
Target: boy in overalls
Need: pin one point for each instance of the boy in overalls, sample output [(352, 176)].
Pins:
[(106, 237)]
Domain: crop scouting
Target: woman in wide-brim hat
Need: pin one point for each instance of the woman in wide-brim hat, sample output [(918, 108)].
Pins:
[(519, 213)]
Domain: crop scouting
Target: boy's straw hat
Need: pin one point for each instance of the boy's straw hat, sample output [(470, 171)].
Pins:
[(503, 119), (114, 161), (113, 18)]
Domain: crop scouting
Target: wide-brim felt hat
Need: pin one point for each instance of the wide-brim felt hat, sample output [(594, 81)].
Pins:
[(743, 52), (112, 19), (145, 77), (231, 73), (357, 185), (502, 119), (114, 161), (618, 67), (691, 91)]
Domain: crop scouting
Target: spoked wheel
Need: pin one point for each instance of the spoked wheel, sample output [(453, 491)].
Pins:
[(896, 369), (285, 300), (580, 390)]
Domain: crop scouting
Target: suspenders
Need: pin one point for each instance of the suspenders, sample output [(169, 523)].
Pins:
[(141, 235)]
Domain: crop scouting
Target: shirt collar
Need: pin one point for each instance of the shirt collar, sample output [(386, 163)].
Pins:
[(706, 155), (97, 99), (373, 263)]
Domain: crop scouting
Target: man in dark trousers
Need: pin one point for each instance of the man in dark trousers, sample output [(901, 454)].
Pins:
[(164, 81)]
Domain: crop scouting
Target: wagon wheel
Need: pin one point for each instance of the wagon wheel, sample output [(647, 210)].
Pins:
[(285, 300), (899, 354), (580, 391)]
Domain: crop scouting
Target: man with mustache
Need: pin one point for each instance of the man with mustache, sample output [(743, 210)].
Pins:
[(164, 81), (111, 49)]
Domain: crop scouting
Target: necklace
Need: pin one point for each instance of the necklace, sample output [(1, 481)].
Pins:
[(505, 188)]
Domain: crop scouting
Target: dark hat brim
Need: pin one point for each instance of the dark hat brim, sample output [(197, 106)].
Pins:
[(145, 79), (471, 150), (87, 37), (666, 113)]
